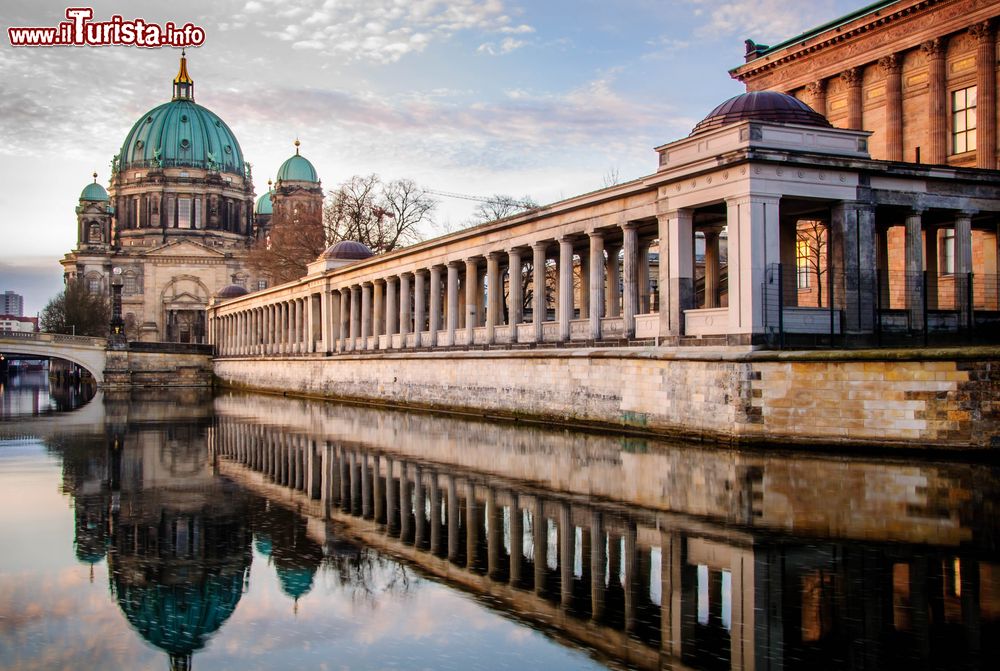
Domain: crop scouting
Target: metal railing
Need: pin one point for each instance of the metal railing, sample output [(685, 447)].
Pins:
[(852, 307)]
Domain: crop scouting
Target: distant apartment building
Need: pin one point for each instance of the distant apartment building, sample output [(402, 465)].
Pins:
[(20, 324), (11, 304)]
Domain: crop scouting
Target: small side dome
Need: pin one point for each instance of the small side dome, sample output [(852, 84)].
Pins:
[(297, 169), (231, 291), (347, 250), (762, 106), (94, 191), (264, 205)]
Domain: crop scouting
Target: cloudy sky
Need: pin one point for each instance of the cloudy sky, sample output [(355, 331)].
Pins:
[(527, 97)]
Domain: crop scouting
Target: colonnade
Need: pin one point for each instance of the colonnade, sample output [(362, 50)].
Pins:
[(597, 285)]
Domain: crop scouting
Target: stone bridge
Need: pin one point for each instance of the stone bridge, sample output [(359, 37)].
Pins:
[(85, 351)]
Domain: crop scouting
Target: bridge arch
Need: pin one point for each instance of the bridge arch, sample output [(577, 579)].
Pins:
[(84, 351)]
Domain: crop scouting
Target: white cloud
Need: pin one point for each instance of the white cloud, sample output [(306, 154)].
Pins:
[(765, 20), (383, 31)]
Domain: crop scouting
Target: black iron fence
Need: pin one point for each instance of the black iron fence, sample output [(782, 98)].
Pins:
[(852, 307)]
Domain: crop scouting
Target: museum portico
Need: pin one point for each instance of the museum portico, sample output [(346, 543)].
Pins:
[(759, 167)]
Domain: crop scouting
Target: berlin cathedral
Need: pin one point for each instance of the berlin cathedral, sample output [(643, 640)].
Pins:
[(177, 223)]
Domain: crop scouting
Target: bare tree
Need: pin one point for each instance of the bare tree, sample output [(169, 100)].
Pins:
[(499, 206), (612, 177), (383, 216), (283, 254), (77, 310)]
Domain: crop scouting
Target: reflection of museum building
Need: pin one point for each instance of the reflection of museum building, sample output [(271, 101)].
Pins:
[(178, 219)]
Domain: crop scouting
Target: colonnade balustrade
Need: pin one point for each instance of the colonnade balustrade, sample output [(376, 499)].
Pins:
[(592, 286)]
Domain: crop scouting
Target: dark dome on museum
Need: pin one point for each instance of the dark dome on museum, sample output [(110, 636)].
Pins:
[(770, 106), (231, 291), (181, 133), (348, 250)]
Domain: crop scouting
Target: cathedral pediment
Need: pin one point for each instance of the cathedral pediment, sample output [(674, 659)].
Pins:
[(184, 248)]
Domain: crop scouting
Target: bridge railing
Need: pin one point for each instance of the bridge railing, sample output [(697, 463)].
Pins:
[(60, 338)]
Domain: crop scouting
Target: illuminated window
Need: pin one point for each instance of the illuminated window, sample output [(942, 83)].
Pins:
[(802, 256), (261, 284), (963, 120), (948, 251)]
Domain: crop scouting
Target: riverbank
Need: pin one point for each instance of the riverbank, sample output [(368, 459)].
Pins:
[(921, 398)]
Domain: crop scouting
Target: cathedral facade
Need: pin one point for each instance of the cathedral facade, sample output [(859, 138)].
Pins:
[(177, 223)]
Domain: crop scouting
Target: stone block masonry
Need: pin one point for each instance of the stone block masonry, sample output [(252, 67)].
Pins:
[(918, 398), (149, 368)]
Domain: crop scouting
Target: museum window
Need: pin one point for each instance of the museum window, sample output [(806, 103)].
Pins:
[(948, 251), (183, 213), (802, 256), (130, 285), (94, 284), (963, 120)]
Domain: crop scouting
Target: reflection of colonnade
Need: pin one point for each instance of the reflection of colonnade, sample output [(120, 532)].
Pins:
[(652, 587)]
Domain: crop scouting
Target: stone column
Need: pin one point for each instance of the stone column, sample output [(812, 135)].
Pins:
[(391, 499), (404, 307), (565, 299), (471, 301), (355, 316), (419, 506), (452, 303), (963, 264), (378, 491), (986, 90), (853, 78), (345, 318), (937, 95), (405, 504), (366, 488), (583, 296), (391, 313), (336, 328), (614, 296), (913, 284), (515, 306), (366, 313), (435, 494), (817, 95), (378, 309), (419, 299), (434, 319), (473, 521), (494, 535), (631, 585), (495, 293), (540, 539), (645, 306), (711, 268), (596, 283), (538, 303), (892, 67), (630, 303), (852, 246)]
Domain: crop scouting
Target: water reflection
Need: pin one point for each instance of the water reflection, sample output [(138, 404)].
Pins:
[(32, 393), (747, 561)]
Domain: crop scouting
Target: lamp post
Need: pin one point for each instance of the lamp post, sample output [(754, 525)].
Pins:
[(117, 339)]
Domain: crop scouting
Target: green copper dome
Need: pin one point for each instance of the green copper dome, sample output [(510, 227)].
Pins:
[(182, 133), (263, 205), (93, 191), (297, 169)]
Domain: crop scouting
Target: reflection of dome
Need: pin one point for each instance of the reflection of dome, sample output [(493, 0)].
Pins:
[(231, 291), (263, 205), (762, 106), (296, 581), (297, 169), (94, 191), (179, 619), (347, 250), (182, 133)]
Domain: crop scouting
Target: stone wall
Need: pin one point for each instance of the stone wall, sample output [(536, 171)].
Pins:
[(945, 398), (148, 368)]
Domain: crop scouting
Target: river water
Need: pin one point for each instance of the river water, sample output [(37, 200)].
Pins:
[(157, 530)]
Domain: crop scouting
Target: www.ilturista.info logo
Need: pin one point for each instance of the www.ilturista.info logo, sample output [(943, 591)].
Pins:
[(80, 31)]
